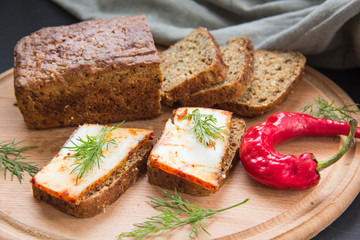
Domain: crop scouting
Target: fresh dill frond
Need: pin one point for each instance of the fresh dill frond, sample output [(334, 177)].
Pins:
[(204, 127), (175, 212), (11, 160), (89, 151), (325, 109)]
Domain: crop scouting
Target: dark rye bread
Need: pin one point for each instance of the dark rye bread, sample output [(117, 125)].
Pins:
[(275, 75), (169, 181), (191, 64), (109, 191), (238, 54), (97, 71)]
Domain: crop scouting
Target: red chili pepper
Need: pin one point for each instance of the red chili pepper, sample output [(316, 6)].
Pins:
[(273, 169)]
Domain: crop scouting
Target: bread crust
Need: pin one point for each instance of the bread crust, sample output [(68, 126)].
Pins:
[(111, 189), (241, 108), (166, 180), (229, 90), (215, 73), (96, 71)]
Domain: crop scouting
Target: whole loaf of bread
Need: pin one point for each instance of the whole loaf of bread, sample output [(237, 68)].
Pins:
[(96, 71)]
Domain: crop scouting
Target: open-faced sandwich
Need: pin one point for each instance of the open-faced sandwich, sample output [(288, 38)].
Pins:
[(93, 169), (196, 150)]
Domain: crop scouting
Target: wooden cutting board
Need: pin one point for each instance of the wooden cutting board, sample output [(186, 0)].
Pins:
[(270, 213)]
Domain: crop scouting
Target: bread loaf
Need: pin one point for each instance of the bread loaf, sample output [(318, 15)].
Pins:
[(275, 75), (191, 64), (238, 54), (97, 71)]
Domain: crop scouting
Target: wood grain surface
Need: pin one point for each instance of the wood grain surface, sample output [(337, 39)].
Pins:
[(270, 213)]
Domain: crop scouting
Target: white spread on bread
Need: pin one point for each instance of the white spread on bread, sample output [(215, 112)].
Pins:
[(55, 178), (179, 152)]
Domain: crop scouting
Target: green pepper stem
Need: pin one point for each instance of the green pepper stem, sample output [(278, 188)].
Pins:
[(353, 126)]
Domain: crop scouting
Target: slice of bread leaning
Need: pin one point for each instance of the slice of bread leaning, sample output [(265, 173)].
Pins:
[(180, 160), (238, 54), (275, 75), (122, 164), (191, 64)]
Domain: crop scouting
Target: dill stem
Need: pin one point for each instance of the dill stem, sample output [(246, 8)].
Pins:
[(233, 206), (10, 160), (169, 219)]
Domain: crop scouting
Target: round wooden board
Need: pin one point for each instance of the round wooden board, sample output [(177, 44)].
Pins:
[(270, 213)]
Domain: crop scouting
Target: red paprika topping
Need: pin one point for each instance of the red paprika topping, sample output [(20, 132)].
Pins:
[(273, 169)]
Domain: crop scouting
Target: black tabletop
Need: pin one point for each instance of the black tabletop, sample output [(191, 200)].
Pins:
[(19, 18)]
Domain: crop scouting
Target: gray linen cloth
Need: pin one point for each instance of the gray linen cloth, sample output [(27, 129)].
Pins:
[(327, 32)]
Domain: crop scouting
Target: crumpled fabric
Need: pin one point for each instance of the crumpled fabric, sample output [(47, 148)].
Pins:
[(326, 32)]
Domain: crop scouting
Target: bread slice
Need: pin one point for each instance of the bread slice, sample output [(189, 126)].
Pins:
[(101, 192), (167, 180), (275, 75), (238, 56), (191, 64)]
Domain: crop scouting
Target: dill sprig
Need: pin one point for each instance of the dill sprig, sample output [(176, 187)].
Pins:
[(11, 160), (175, 212), (89, 151), (325, 109), (204, 127)]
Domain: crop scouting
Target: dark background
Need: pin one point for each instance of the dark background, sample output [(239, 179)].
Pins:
[(19, 18)]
